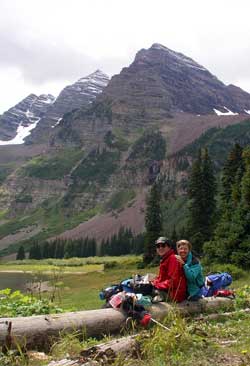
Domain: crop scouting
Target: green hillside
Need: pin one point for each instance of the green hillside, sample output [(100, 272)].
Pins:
[(219, 142)]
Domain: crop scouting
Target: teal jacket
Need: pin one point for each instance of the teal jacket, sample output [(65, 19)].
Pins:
[(193, 273)]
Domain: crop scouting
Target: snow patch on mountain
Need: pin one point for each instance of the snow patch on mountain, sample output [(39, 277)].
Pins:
[(93, 83), (228, 113), (22, 133), (19, 120), (57, 122)]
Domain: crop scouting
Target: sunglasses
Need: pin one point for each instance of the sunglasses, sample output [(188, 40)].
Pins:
[(160, 245)]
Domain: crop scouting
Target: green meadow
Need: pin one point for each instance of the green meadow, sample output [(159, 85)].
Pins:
[(77, 281)]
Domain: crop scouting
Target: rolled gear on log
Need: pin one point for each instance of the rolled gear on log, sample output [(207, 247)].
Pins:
[(41, 330)]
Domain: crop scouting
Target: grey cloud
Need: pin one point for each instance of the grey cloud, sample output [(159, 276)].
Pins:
[(229, 62), (41, 61)]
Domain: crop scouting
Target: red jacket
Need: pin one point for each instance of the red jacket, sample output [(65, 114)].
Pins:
[(171, 278)]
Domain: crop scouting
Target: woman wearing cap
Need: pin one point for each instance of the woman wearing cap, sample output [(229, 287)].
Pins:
[(171, 278), (192, 269)]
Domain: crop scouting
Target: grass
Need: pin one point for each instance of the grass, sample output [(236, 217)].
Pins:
[(175, 213), (119, 199), (53, 220), (80, 291), (55, 167), (126, 260), (188, 342), (43, 268)]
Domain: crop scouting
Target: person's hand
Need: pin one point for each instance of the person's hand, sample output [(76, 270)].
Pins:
[(180, 260)]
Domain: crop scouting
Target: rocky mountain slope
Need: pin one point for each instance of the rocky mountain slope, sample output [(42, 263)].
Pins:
[(156, 87), (101, 157), (78, 95), (49, 111), (161, 81), (25, 114)]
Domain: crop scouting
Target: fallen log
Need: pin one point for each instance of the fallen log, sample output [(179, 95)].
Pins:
[(40, 331), (103, 353), (204, 318)]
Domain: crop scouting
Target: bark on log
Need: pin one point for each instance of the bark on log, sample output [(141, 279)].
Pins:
[(39, 331), (108, 352), (222, 315)]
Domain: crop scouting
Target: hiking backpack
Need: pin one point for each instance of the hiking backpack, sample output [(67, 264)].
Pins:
[(216, 281)]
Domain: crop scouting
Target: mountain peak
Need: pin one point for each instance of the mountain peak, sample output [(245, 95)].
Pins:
[(157, 50), (158, 46), (162, 81), (96, 77)]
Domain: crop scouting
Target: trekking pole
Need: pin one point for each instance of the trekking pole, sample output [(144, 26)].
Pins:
[(158, 323)]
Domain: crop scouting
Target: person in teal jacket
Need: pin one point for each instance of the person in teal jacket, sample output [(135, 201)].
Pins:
[(192, 269)]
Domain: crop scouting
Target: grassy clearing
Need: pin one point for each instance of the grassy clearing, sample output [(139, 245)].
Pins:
[(52, 219), (82, 278), (55, 167), (203, 344), (126, 260), (43, 268), (188, 342), (119, 199), (82, 292)]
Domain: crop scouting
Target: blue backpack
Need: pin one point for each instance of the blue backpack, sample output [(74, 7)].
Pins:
[(216, 281)]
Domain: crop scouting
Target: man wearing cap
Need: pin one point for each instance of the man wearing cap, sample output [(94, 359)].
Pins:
[(171, 279)]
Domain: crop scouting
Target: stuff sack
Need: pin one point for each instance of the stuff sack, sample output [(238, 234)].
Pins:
[(225, 293), (110, 291), (138, 285), (215, 282)]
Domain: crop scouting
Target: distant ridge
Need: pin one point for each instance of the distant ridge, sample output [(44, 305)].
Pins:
[(161, 81), (47, 110), (24, 116)]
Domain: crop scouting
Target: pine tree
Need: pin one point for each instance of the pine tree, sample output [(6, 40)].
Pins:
[(245, 183), (231, 239), (45, 250), (153, 222), (20, 254), (233, 166), (209, 191), (174, 236), (202, 189), (195, 191)]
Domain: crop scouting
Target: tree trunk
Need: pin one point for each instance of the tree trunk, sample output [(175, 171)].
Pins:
[(41, 330)]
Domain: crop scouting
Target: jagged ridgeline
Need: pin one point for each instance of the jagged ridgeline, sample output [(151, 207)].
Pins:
[(96, 149)]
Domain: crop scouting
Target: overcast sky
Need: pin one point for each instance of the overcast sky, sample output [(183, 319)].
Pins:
[(48, 44)]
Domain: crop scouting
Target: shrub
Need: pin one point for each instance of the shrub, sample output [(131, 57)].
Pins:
[(17, 304), (235, 271), (109, 265)]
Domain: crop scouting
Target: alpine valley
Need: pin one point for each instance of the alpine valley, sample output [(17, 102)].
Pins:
[(81, 164)]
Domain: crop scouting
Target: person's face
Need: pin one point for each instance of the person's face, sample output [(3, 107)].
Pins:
[(183, 251), (162, 249)]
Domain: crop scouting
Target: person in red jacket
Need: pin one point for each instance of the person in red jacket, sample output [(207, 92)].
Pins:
[(171, 278)]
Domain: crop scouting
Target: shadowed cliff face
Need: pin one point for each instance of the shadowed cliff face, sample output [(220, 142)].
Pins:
[(160, 81), (27, 112), (73, 97), (45, 112), (158, 86)]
